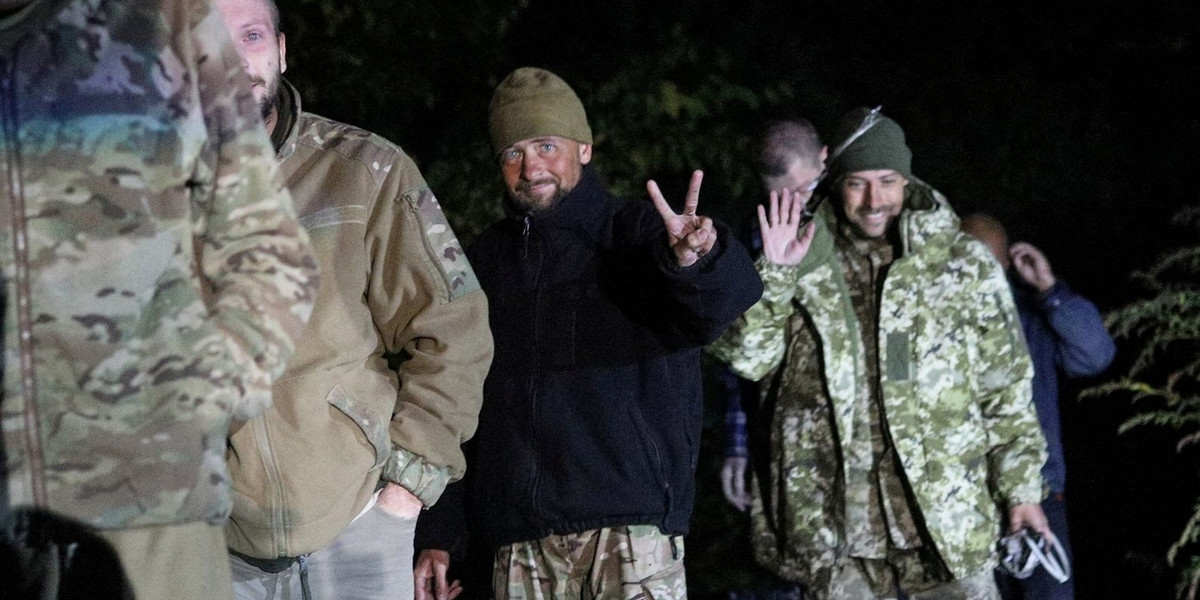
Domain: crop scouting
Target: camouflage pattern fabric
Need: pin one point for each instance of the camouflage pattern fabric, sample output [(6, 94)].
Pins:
[(954, 376), (159, 274), (637, 562), (878, 514), (920, 576)]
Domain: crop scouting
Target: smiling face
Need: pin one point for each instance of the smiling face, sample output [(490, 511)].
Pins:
[(540, 172), (252, 25), (871, 200)]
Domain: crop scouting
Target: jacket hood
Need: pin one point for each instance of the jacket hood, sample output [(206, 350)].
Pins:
[(927, 215)]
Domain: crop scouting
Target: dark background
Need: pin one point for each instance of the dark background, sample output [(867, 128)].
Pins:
[(1073, 122)]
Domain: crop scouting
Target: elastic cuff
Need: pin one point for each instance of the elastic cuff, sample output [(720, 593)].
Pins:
[(411, 472), (1055, 296), (779, 281)]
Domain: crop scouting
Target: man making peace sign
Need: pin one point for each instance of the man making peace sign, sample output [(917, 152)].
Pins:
[(583, 473)]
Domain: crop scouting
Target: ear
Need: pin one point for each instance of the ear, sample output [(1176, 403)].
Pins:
[(585, 154), (282, 52), (824, 154)]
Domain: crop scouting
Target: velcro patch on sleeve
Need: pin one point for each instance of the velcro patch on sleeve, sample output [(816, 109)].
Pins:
[(445, 250)]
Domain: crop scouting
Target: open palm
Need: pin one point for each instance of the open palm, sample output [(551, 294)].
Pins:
[(783, 243)]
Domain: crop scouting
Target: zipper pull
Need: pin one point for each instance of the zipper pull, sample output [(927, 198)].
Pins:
[(525, 238)]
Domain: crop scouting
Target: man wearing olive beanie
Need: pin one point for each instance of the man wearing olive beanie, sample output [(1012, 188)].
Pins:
[(582, 470), (899, 442)]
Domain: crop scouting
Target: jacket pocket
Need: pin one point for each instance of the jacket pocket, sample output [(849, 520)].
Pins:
[(372, 426)]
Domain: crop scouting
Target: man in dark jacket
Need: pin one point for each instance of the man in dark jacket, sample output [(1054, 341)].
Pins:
[(583, 472), (1065, 335)]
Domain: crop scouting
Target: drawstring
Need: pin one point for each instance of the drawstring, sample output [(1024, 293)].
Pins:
[(304, 589)]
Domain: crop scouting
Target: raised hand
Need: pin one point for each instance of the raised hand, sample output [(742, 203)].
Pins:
[(1031, 265), (779, 225), (690, 236)]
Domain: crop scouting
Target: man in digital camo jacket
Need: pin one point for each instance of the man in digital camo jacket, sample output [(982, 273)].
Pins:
[(896, 387)]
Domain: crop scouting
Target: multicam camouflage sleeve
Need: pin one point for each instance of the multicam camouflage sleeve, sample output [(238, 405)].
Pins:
[(254, 255), (1004, 373), (755, 342), (429, 308)]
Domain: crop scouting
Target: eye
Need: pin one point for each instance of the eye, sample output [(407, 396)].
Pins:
[(253, 36), (547, 148), (510, 156)]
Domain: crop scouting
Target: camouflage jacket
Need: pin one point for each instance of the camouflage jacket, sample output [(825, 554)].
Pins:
[(396, 282), (157, 277), (955, 379)]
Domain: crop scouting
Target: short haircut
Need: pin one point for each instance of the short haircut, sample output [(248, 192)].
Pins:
[(274, 9), (786, 141)]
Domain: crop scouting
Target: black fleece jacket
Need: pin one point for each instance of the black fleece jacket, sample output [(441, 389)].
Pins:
[(592, 408)]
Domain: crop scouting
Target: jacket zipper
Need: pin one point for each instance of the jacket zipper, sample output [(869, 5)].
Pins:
[(533, 383), (275, 496), (10, 131), (525, 239)]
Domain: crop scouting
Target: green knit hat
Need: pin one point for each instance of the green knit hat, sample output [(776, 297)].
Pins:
[(534, 102), (866, 141)]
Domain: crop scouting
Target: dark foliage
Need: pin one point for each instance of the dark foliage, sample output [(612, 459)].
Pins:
[(1073, 122)]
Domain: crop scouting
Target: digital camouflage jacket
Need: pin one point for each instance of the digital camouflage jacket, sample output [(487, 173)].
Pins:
[(395, 283), (955, 380), (155, 273)]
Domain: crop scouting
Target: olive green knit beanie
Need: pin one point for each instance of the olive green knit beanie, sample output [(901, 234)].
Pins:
[(534, 102), (865, 141)]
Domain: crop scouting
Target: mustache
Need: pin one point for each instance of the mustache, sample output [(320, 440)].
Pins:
[(525, 186)]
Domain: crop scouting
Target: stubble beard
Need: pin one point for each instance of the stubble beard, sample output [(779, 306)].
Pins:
[(533, 205), (269, 102)]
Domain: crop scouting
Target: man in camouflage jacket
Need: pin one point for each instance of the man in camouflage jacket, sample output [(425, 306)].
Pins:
[(156, 275), (328, 483), (896, 426)]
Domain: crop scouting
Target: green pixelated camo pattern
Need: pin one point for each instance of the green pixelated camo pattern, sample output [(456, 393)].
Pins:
[(956, 388), (167, 276)]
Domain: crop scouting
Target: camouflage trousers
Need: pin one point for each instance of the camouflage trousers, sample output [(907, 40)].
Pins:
[(637, 562), (881, 579)]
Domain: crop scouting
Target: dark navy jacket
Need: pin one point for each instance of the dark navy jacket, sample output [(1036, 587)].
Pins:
[(1065, 334), (592, 408)]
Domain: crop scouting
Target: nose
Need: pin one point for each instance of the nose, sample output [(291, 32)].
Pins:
[(869, 196), (531, 166)]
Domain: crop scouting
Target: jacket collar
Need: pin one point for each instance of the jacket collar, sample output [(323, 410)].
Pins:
[(583, 211), (287, 124), (926, 215)]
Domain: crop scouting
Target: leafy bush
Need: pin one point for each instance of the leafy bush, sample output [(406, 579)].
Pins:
[(1163, 379)]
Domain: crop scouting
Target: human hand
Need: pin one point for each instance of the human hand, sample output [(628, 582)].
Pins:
[(779, 228), (1031, 265), (398, 501), (733, 482), (429, 577), (1029, 515), (690, 236)]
